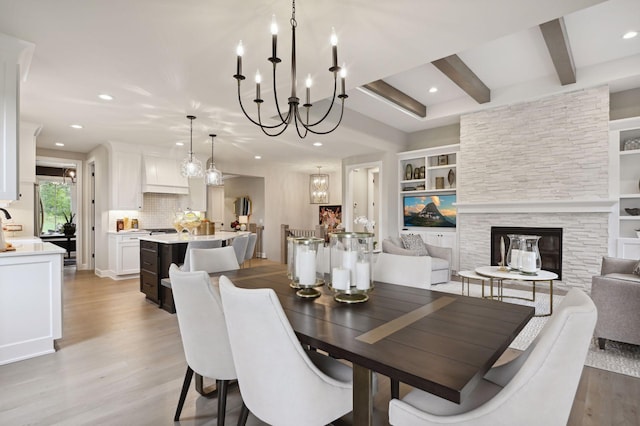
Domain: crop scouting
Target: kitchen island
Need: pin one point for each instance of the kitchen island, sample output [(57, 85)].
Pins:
[(158, 252), (30, 300)]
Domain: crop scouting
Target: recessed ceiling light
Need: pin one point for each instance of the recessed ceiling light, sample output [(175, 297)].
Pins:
[(180, 143), (433, 89), (257, 157), (76, 126), (105, 97), (317, 144), (59, 144), (629, 34)]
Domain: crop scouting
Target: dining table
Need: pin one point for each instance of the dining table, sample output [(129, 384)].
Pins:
[(439, 342)]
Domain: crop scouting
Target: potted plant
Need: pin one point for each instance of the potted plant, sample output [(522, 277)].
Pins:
[(69, 228)]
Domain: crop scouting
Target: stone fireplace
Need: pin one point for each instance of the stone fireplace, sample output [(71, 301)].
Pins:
[(538, 164)]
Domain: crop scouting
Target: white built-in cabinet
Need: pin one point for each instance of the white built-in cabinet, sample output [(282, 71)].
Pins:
[(15, 57), (126, 180), (623, 135), (124, 254), (427, 173)]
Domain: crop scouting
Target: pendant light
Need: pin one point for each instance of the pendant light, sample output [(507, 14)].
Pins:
[(213, 176), (191, 166), (319, 188)]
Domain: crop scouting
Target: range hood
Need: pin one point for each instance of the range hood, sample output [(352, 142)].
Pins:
[(162, 175)]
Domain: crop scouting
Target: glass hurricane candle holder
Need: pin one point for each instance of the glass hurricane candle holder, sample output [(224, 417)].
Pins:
[(513, 255), (530, 261), (304, 271), (351, 260)]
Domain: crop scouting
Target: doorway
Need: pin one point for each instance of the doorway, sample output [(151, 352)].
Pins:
[(58, 205), (363, 195)]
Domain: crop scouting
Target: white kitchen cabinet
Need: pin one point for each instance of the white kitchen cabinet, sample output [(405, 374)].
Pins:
[(15, 57), (126, 181), (124, 254)]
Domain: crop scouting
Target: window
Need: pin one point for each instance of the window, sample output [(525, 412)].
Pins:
[(55, 202)]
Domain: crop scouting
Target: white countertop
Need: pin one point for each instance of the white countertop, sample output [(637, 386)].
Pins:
[(183, 238), (32, 249)]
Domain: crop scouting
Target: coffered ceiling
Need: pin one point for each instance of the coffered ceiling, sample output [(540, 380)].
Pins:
[(164, 59)]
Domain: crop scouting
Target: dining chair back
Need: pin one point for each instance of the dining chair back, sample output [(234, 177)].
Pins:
[(251, 247), (536, 388), (198, 245), (280, 382), (411, 271), (239, 244), (213, 260), (204, 333)]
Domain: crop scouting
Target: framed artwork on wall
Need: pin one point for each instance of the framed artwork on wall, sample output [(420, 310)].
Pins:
[(330, 216)]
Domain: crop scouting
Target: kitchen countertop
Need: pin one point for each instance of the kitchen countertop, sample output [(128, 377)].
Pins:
[(182, 238), (31, 249)]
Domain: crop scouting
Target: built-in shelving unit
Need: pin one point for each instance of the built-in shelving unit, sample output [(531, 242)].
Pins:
[(622, 132), (429, 172)]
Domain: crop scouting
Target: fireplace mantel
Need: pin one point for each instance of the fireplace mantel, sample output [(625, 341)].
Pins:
[(539, 206)]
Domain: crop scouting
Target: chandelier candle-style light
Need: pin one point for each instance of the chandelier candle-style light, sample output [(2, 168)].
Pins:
[(213, 176), (191, 167), (319, 188), (302, 122)]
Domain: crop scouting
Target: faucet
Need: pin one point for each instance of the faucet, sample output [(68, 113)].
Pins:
[(6, 213)]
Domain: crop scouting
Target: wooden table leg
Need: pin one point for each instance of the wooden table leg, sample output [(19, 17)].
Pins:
[(362, 396)]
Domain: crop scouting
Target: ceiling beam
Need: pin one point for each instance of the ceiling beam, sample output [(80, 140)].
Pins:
[(555, 36), (458, 72), (397, 97)]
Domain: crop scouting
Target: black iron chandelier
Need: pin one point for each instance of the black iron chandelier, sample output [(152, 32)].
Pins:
[(302, 122)]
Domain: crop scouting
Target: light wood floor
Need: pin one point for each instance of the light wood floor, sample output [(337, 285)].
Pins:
[(120, 362)]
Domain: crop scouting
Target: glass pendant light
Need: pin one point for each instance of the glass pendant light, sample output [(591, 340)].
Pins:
[(213, 176), (191, 167)]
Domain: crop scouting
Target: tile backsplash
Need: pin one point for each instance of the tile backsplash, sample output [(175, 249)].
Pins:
[(157, 211)]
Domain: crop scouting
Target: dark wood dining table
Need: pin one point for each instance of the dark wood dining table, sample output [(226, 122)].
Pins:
[(439, 342)]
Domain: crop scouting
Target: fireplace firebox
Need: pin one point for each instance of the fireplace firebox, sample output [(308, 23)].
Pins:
[(549, 245)]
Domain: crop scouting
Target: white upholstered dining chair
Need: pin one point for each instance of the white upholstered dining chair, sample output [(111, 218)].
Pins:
[(280, 382), (410, 271), (239, 244), (536, 388), (251, 247), (206, 244), (204, 334), (213, 259)]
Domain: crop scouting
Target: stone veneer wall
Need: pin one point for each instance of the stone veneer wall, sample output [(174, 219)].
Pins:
[(553, 149)]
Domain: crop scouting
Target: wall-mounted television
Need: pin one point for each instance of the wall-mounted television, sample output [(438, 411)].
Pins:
[(430, 211)]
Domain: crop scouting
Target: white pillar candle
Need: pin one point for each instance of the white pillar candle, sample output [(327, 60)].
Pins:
[(528, 261), (340, 278), (515, 259), (349, 259), (307, 268), (363, 275)]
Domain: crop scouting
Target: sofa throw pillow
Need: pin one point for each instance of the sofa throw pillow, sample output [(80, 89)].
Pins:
[(636, 270), (414, 243)]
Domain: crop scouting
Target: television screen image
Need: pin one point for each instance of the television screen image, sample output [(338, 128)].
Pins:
[(430, 211)]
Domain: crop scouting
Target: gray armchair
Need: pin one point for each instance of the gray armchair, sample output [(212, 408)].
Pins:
[(440, 257), (616, 293)]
